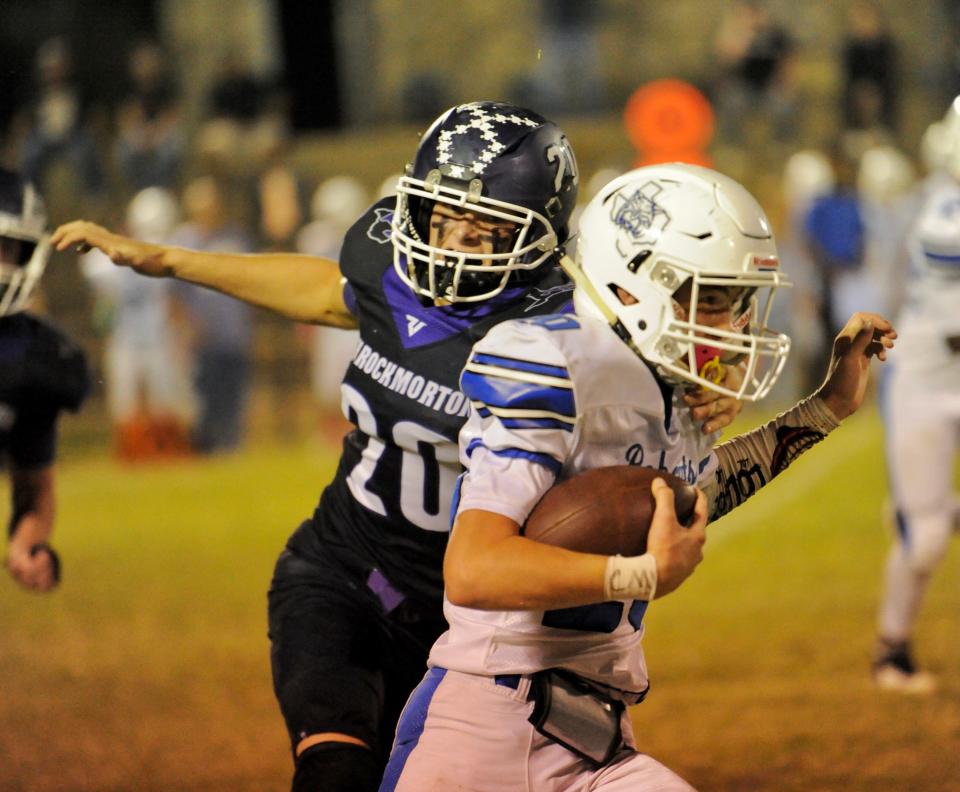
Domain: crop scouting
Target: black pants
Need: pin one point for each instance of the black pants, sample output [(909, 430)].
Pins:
[(340, 662)]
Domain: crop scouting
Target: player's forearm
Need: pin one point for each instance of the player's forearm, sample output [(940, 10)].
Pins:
[(303, 288), (32, 529), (749, 461), (34, 507), (489, 567)]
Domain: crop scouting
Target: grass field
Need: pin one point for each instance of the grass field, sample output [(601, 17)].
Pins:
[(149, 670)]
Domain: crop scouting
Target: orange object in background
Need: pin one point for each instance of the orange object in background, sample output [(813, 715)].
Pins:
[(669, 120)]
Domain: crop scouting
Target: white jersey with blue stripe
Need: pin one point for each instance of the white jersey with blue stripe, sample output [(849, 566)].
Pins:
[(929, 322), (551, 397)]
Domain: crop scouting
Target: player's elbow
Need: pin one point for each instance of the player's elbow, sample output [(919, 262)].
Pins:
[(472, 566), (463, 585), (471, 583)]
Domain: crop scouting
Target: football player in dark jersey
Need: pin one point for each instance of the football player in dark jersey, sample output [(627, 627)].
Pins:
[(41, 373), (472, 238)]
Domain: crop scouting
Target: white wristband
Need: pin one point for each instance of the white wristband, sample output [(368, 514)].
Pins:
[(631, 577)]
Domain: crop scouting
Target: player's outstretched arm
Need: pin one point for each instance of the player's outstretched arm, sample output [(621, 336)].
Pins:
[(489, 566), (303, 288), (748, 462), (865, 335), (30, 560)]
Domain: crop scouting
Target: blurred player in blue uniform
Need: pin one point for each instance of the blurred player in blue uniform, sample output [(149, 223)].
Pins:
[(675, 274), (41, 373), (472, 237), (920, 399)]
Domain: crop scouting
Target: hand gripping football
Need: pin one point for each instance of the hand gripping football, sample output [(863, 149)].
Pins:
[(605, 510)]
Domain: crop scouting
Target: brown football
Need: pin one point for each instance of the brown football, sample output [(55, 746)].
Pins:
[(605, 510)]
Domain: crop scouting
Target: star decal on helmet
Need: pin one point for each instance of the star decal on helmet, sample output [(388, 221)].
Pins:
[(487, 125)]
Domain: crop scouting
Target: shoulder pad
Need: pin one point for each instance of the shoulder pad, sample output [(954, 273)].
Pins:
[(517, 367), (367, 244)]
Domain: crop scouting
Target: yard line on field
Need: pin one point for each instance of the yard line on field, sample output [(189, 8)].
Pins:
[(761, 508)]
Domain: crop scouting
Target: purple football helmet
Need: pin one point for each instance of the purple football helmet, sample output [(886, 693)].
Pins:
[(502, 164)]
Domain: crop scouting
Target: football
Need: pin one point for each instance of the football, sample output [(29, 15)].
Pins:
[(605, 510)]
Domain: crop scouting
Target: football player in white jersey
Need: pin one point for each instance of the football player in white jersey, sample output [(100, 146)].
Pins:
[(675, 273), (472, 237), (920, 399)]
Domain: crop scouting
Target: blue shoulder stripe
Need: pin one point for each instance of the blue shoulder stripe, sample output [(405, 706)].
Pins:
[(942, 257), (517, 394), (536, 423), (546, 460), (520, 365)]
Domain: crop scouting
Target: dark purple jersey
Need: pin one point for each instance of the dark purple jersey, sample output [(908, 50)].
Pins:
[(389, 506)]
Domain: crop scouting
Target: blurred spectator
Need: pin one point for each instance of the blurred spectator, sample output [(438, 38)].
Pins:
[(221, 326), (569, 78), (279, 200), (424, 95), (869, 69), (146, 379), (336, 204), (754, 56), (279, 203), (245, 119), (835, 237), (885, 181), (807, 176), (151, 142), (55, 123), (237, 94)]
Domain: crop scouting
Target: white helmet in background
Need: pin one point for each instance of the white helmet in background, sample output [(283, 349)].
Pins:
[(951, 143), (935, 146), (657, 229), (340, 200), (885, 173), (152, 214), (388, 187), (25, 241), (807, 175)]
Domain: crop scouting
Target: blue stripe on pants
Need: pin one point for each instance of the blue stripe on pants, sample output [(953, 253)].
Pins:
[(410, 727)]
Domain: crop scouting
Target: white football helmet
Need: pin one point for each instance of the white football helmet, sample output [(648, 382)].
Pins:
[(951, 139), (807, 175), (339, 200), (653, 231), (885, 173), (935, 146), (153, 214), (23, 218)]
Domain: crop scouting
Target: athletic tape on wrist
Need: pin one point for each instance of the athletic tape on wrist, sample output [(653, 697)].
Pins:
[(630, 577)]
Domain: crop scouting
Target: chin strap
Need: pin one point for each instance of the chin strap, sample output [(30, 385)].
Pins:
[(582, 282)]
